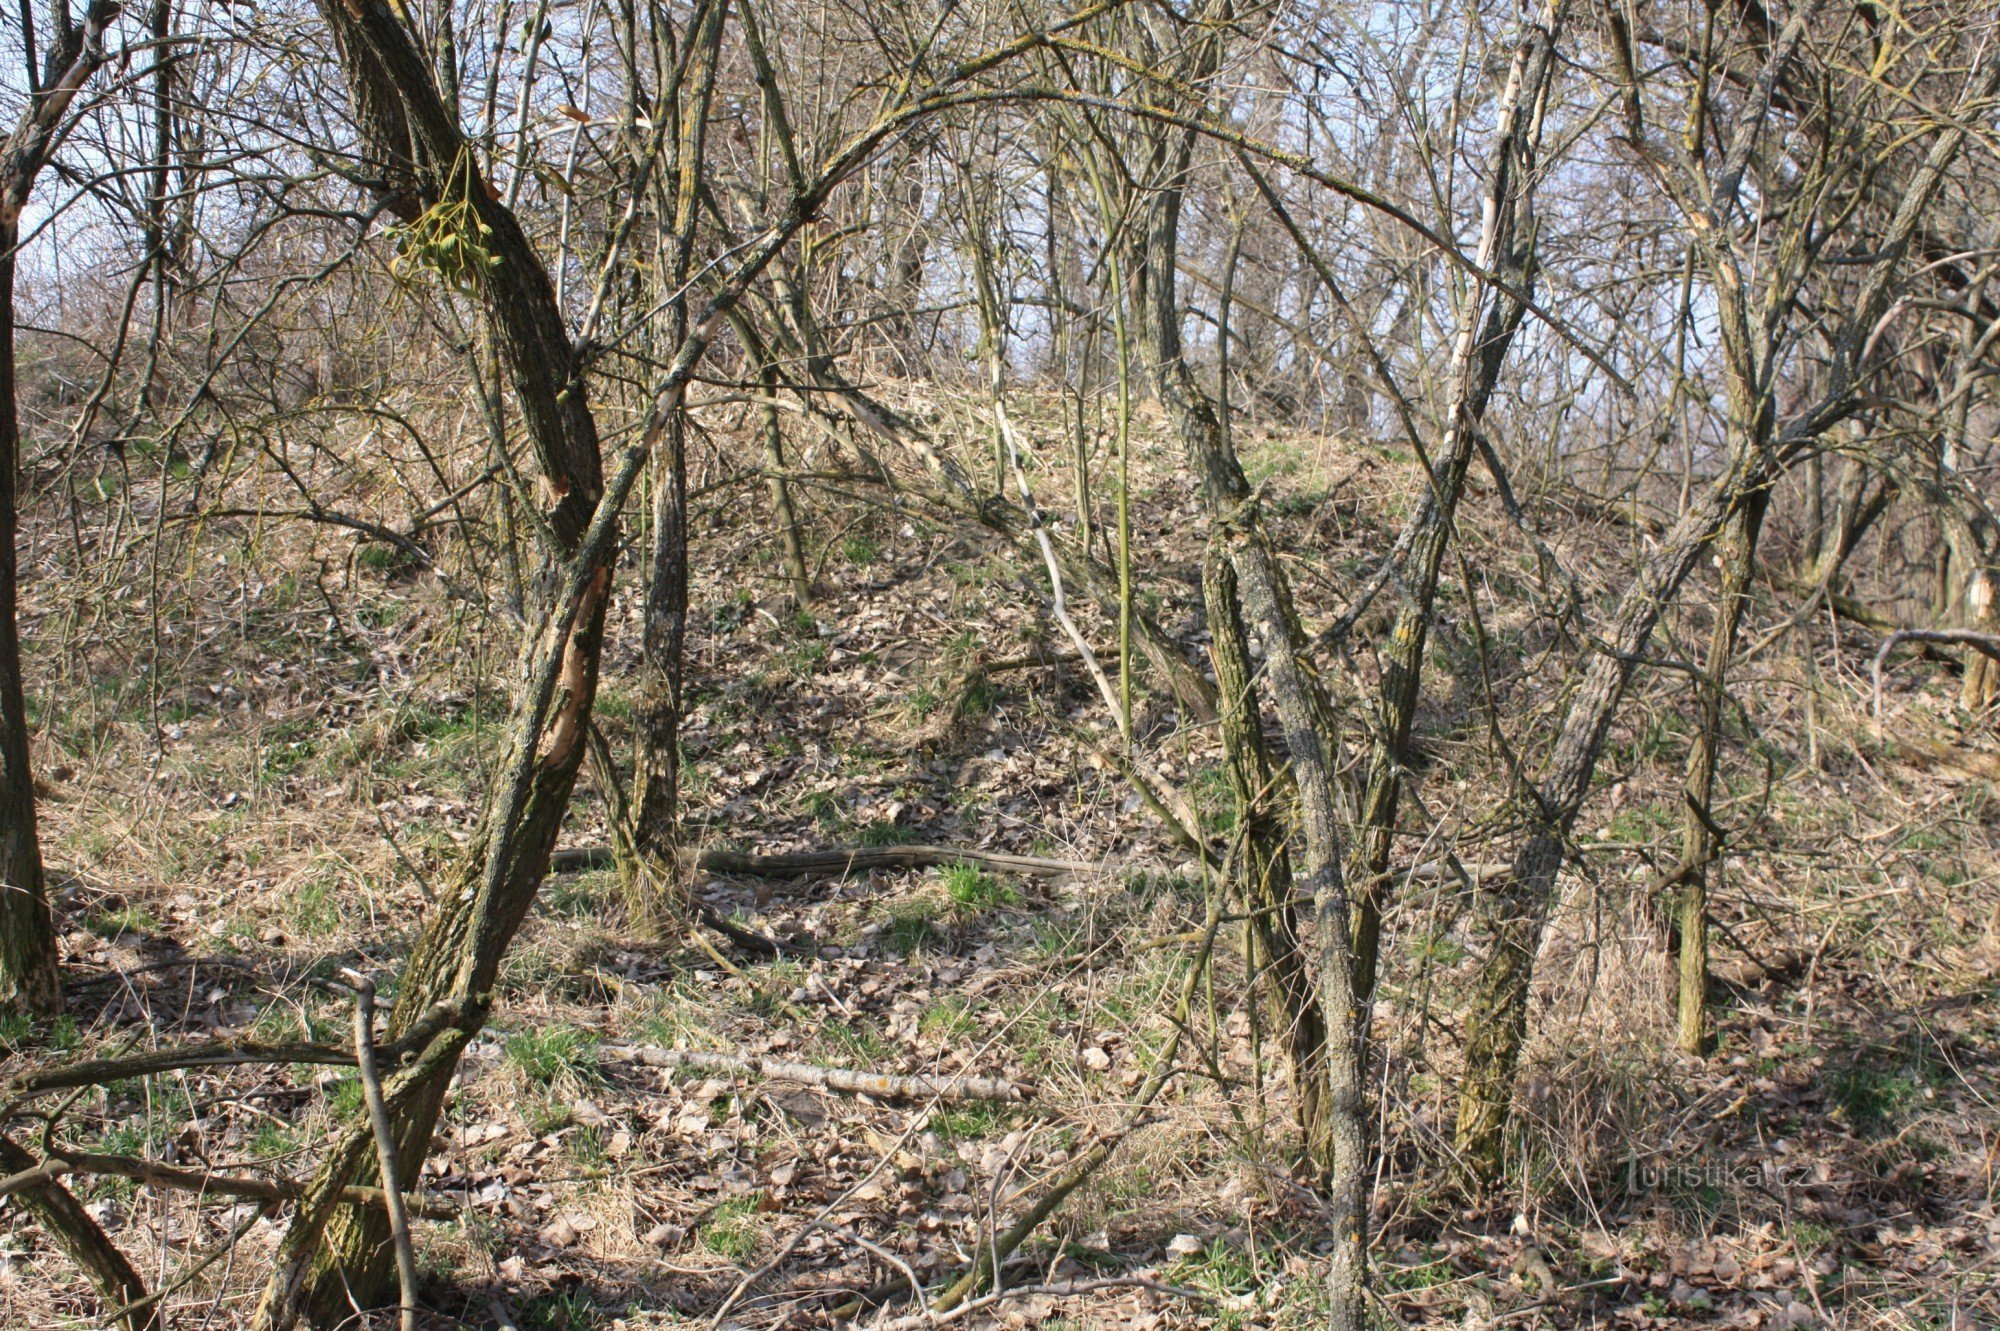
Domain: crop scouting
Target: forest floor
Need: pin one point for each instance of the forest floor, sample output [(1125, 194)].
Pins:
[(276, 795)]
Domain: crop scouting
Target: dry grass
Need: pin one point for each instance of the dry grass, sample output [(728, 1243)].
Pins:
[(264, 785)]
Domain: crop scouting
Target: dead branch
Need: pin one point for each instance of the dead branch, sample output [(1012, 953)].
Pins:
[(1987, 644), (63, 1161), (222, 1053), (884, 1085), (842, 861), (385, 1144)]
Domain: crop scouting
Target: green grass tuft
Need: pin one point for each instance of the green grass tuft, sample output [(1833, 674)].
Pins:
[(970, 888), (550, 1053), (733, 1230)]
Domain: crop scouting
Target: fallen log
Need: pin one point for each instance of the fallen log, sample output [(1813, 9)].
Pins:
[(820, 863), (882, 1085)]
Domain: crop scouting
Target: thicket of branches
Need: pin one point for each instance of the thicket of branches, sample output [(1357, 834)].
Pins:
[(499, 293)]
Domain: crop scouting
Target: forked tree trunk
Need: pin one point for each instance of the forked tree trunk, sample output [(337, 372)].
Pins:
[(1699, 845), (1486, 330), (1300, 703), (1275, 949), (655, 884)]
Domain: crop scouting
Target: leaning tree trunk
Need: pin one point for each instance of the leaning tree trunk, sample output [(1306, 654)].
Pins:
[(332, 1257), (1700, 846), (1513, 914), (84, 1242), (1299, 701)]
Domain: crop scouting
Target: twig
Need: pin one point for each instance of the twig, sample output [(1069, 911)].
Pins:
[(924, 1315), (784, 1254), (503, 1316), (388, 834), (171, 963), (385, 1142), (887, 1086), (188, 1274), (82, 1239), (50, 1169)]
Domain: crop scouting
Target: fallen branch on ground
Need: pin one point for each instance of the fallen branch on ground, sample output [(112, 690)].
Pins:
[(839, 861), (884, 1085)]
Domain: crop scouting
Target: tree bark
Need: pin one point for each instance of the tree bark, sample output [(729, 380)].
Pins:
[(1266, 889), (1298, 698), (1699, 847), (655, 884), (29, 980), (1486, 331), (328, 1260)]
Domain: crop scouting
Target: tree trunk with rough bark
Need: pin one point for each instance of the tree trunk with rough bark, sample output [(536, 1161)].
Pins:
[(1486, 331), (1699, 845), (29, 981), (28, 977), (655, 886), (1299, 701), (329, 1260), (1275, 952)]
